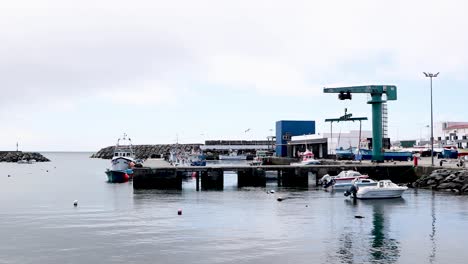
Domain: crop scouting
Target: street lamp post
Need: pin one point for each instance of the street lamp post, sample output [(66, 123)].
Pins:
[(431, 75)]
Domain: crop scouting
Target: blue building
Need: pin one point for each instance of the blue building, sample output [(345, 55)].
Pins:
[(285, 129)]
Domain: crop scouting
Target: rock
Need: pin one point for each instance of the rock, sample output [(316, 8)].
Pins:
[(449, 185), (464, 189), (459, 179), (449, 178), (15, 156), (439, 178), (431, 182), (146, 151)]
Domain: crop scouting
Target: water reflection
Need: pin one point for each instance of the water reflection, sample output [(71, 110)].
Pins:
[(433, 233), (381, 247), (384, 249)]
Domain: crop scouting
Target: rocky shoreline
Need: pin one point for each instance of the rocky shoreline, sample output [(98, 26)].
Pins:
[(455, 180), (147, 151), (15, 156)]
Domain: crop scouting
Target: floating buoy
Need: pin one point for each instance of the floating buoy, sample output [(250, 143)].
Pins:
[(9, 175), (179, 212), (75, 203), (280, 199), (272, 191), (47, 170), (307, 205)]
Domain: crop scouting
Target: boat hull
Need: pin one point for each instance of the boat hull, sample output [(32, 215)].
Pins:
[(346, 186), (114, 176), (366, 193)]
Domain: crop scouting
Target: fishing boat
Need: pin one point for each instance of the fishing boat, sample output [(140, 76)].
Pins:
[(366, 154), (307, 158), (384, 189), (197, 160), (122, 161), (345, 154)]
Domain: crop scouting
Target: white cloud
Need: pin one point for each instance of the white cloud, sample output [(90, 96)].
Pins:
[(58, 53), (254, 74), (146, 93)]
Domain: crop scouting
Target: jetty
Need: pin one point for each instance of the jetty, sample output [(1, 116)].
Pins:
[(154, 176), (15, 156)]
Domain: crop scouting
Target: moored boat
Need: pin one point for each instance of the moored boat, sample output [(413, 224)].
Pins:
[(122, 161), (359, 182), (343, 177), (384, 189)]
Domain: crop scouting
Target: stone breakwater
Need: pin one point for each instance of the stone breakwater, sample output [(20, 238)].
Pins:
[(445, 179), (15, 156), (148, 151)]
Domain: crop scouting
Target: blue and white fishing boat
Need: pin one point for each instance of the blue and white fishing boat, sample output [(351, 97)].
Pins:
[(122, 162), (198, 160)]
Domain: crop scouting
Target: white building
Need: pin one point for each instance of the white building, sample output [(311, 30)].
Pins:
[(451, 133)]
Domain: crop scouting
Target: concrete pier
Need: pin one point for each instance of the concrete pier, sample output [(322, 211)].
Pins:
[(212, 177), (212, 180), (251, 177), (157, 178)]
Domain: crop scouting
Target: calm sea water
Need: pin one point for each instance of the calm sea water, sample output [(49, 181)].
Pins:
[(115, 224)]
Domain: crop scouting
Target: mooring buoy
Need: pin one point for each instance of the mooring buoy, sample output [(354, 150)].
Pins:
[(75, 203), (280, 199), (358, 216), (179, 212)]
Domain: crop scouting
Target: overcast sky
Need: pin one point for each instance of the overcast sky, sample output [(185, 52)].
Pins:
[(75, 75)]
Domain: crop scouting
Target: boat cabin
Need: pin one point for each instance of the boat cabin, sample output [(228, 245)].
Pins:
[(122, 154)]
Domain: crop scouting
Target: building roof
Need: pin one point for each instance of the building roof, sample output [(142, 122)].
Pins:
[(455, 125)]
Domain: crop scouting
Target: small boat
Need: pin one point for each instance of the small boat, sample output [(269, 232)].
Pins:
[(345, 154), (260, 157), (122, 162), (307, 158), (198, 160), (233, 155), (384, 189), (343, 177), (359, 182)]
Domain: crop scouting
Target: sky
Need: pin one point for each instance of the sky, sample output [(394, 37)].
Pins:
[(76, 75)]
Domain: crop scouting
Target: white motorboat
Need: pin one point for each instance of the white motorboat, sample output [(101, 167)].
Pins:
[(359, 182), (343, 177), (383, 190)]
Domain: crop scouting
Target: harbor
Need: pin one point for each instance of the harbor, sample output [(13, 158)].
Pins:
[(309, 223)]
